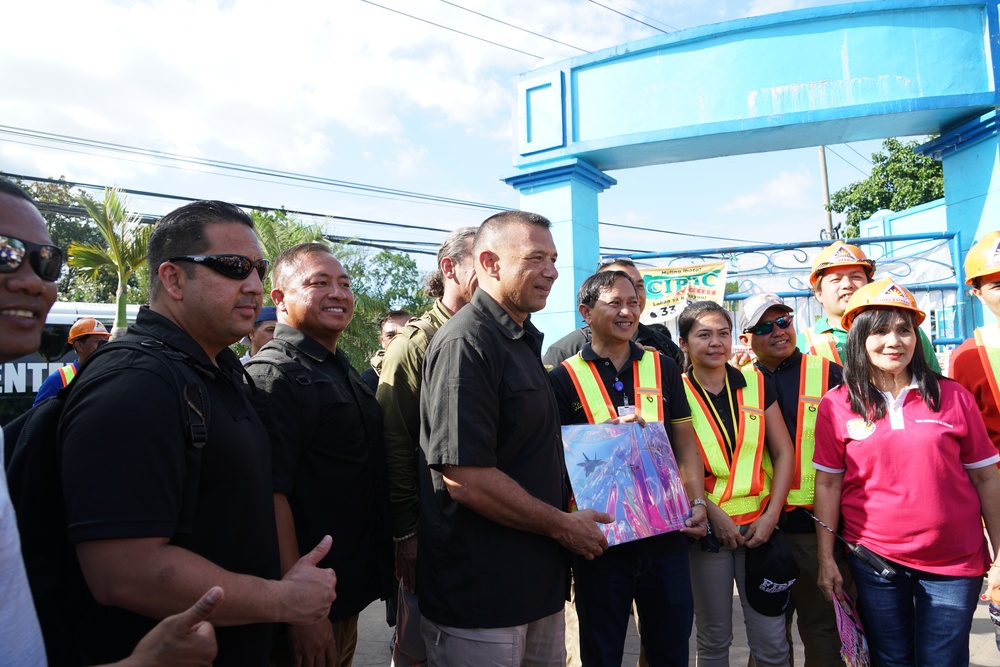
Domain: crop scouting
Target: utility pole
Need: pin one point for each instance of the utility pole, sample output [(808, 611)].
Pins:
[(826, 192)]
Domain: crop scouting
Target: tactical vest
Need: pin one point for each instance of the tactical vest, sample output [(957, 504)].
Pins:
[(823, 345), (814, 381), (594, 395), (988, 344), (739, 484)]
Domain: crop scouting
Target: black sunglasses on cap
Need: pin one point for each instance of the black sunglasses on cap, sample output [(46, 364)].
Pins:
[(764, 328), (237, 267), (45, 259)]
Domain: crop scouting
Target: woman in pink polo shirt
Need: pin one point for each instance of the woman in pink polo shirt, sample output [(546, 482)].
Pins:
[(905, 464)]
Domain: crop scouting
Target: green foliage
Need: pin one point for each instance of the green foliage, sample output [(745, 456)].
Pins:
[(122, 246), (381, 282), (277, 232), (901, 178)]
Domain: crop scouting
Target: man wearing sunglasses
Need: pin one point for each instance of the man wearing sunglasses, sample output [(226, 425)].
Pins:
[(801, 380), (125, 491)]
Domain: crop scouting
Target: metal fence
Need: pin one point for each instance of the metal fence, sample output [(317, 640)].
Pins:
[(928, 264)]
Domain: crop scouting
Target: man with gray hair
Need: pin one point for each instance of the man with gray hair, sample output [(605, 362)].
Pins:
[(492, 574), (453, 285)]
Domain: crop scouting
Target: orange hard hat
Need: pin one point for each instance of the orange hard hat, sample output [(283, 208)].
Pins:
[(840, 255), (983, 258), (87, 326), (885, 293)]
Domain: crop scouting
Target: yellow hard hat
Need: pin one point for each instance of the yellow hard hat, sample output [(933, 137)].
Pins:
[(840, 255), (87, 326), (885, 293), (983, 258)]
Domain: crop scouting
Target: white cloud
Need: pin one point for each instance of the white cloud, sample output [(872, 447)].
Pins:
[(787, 190)]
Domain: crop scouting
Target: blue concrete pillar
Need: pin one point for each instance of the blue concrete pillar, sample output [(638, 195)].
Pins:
[(970, 156), (565, 192)]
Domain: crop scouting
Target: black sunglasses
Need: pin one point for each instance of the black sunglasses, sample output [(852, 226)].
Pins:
[(237, 267), (764, 328), (45, 259)]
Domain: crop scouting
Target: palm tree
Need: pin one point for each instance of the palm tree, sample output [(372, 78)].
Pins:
[(123, 250), (276, 232)]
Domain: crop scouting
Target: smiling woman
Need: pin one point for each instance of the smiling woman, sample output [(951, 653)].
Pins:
[(897, 437)]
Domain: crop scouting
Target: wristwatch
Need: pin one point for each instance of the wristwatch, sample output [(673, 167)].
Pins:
[(699, 501)]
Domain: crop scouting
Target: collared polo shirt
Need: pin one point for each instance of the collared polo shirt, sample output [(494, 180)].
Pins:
[(675, 411), (486, 401), (967, 369)]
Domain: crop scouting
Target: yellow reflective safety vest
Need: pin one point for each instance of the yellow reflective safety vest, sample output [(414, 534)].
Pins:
[(822, 345), (988, 344), (814, 381), (67, 373), (594, 395), (739, 484)]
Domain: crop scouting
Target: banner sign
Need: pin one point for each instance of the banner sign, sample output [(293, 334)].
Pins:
[(629, 472), (670, 288)]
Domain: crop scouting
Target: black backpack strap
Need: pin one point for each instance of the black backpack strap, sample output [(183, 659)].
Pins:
[(300, 377), (195, 411)]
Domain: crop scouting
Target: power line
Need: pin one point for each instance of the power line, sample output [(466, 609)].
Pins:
[(612, 9), (664, 231), (638, 13), (858, 154), (73, 210), (863, 172), (234, 166), (511, 25), (438, 25)]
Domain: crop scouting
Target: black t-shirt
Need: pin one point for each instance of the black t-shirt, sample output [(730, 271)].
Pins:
[(123, 467), (329, 460), (675, 410), (725, 401), (486, 401), (786, 382)]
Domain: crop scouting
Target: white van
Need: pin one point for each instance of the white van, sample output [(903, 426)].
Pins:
[(20, 379)]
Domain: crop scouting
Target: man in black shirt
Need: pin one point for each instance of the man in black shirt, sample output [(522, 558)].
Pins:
[(644, 336), (653, 571), (328, 455), (124, 459), (492, 574), (765, 323)]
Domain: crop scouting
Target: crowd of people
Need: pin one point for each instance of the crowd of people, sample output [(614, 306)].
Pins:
[(228, 513)]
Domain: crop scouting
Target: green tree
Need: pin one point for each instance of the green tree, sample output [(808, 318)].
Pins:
[(381, 282), (900, 179), (122, 247), (276, 232), (68, 222)]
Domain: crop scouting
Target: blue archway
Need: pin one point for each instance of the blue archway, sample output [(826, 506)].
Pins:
[(819, 76)]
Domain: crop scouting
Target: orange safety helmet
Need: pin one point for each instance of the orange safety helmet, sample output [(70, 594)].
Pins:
[(838, 255), (983, 258), (87, 326), (881, 293)]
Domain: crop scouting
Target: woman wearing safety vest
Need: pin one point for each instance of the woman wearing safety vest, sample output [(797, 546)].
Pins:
[(906, 468), (748, 457)]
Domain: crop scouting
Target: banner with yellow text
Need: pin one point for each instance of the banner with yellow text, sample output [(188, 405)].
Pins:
[(670, 288)]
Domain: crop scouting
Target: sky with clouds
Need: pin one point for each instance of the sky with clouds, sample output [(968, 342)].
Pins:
[(351, 91)]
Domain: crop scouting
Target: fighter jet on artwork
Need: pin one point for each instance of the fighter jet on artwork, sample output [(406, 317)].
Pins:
[(590, 465)]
